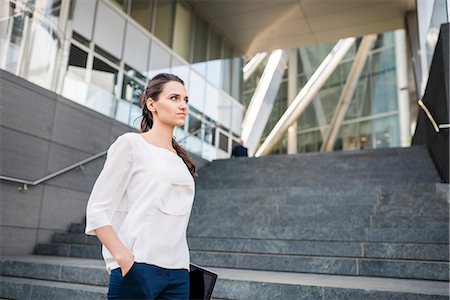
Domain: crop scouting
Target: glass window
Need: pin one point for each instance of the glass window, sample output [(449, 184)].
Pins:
[(195, 122), (159, 60), (164, 21), (182, 31), (227, 68), (197, 86), (142, 12), (223, 142), (50, 8), (42, 60), (214, 46), (200, 39), (200, 45), (210, 131), (104, 76), (77, 62), (122, 4), (236, 78), (214, 66), (133, 85), (181, 70), (386, 132)]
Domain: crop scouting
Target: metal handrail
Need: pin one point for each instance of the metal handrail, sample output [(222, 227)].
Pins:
[(26, 183), (430, 117), (80, 164)]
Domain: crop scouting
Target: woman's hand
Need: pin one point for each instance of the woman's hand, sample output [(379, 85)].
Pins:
[(126, 262), (119, 251)]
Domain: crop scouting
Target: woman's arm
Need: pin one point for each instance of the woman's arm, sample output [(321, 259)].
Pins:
[(121, 254)]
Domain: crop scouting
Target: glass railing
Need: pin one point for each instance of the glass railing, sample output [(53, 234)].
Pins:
[(78, 90)]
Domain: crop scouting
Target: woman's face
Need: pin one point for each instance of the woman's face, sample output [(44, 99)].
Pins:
[(171, 107)]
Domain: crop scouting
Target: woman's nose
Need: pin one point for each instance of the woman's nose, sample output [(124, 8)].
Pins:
[(183, 105)]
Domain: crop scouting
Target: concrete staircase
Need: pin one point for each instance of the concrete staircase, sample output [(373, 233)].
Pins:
[(350, 225)]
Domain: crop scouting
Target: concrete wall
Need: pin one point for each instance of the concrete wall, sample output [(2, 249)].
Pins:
[(40, 133)]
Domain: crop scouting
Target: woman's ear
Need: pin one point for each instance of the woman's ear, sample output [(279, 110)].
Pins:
[(150, 104)]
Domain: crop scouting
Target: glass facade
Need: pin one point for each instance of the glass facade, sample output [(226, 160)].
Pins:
[(372, 118), (115, 47)]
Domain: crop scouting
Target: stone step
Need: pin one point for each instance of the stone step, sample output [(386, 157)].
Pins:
[(231, 283), (77, 228), (323, 175), (258, 221), (261, 182), (411, 269), (408, 199), (56, 268), (417, 188), (75, 238), (399, 154), (288, 195), (407, 222), (203, 201), (323, 167), (296, 247), (327, 166), (303, 195), (250, 284), (288, 212), (413, 209), (410, 251), (34, 289), (326, 169), (69, 250), (407, 235)]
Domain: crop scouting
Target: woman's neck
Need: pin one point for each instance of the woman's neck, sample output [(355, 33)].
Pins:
[(160, 135)]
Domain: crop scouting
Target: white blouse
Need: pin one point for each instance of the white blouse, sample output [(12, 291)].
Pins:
[(146, 193)]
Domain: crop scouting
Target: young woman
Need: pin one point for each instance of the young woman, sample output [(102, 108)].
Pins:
[(140, 204)]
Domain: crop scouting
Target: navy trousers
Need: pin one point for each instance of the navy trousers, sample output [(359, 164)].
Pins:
[(145, 281)]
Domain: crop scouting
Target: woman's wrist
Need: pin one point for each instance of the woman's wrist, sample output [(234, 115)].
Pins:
[(124, 257)]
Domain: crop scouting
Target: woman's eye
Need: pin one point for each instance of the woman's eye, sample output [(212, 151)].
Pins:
[(174, 98)]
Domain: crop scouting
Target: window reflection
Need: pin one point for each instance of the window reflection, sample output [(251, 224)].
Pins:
[(133, 85), (195, 122), (164, 20), (142, 12)]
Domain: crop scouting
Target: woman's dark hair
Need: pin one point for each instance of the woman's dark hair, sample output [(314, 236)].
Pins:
[(153, 90)]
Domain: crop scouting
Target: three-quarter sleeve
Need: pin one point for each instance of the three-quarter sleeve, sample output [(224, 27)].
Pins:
[(110, 185)]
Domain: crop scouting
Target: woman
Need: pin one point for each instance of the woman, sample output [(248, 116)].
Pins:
[(140, 204)]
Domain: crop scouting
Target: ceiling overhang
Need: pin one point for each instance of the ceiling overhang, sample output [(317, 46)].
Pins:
[(263, 25)]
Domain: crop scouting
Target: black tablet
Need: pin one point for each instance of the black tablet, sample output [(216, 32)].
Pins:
[(202, 283)]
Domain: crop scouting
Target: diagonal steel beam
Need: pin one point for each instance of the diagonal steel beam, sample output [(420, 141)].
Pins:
[(348, 91), (252, 65), (261, 104), (318, 109)]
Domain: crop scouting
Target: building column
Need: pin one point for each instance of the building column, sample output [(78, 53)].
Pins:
[(402, 88), (292, 92)]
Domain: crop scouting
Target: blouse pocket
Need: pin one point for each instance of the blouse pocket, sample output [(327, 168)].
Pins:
[(176, 199)]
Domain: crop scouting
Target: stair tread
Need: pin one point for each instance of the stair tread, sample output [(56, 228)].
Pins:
[(426, 287), (54, 284)]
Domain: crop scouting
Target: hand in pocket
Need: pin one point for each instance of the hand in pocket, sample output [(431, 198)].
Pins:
[(126, 269), (126, 264)]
